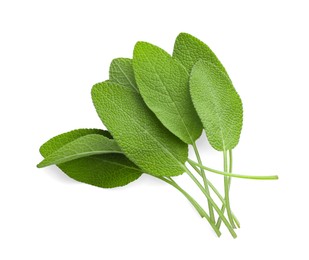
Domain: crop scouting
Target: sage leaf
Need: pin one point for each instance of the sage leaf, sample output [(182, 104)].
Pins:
[(84, 146), (154, 105), (141, 136), (58, 141), (105, 170), (217, 104), (188, 50), (121, 72), (164, 85)]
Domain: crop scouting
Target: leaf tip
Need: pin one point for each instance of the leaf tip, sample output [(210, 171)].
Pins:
[(143, 46), (183, 34), (40, 165), (186, 36)]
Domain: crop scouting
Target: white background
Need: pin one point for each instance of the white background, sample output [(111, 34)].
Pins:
[(52, 52)]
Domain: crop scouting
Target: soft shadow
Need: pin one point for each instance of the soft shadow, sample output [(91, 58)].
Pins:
[(55, 173)]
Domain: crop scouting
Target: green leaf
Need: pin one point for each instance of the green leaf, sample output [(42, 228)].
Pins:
[(121, 72), (164, 85), (188, 50), (84, 146), (58, 141), (105, 171), (141, 136), (217, 104)]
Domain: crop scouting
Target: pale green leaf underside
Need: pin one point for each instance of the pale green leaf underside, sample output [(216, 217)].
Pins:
[(105, 170), (121, 72), (164, 85), (188, 50), (217, 104), (92, 144), (141, 136)]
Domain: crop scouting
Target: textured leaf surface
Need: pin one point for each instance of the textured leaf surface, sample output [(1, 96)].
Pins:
[(105, 171), (188, 50), (217, 104), (164, 85), (58, 141), (137, 131), (92, 144), (121, 72)]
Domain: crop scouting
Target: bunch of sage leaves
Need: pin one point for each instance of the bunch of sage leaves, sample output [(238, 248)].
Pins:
[(154, 106)]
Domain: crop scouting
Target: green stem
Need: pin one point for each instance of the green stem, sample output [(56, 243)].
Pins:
[(252, 177), (211, 210), (199, 209), (223, 206), (219, 196), (231, 161), (225, 221), (227, 190)]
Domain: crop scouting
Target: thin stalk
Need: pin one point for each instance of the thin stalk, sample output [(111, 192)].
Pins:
[(199, 209), (231, 161), (225, 221), (230, 165), (211, 210), (227, 190), (252, 177), (219, 196), (223, 206)]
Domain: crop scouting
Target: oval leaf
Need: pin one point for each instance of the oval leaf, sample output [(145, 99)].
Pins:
[(188, 50), (58, 141), (164, 85), (121, 72), (137, 131), (217, 104), (105, 171), (84, 146)]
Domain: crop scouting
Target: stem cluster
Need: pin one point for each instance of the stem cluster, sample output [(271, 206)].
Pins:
[(223, 214)]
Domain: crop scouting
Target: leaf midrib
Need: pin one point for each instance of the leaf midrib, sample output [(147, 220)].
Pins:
[(217, 114), (127, 78), (156, 141), (116, 163), (75, 156), (173, 102), (225, 75)]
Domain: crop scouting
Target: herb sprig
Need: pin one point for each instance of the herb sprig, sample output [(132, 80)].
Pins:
[(154, 107)]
